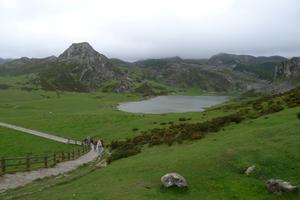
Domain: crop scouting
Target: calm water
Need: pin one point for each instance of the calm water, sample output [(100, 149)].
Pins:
[(172, 104)]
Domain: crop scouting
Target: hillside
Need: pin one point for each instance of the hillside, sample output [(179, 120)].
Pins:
[(214, 165), (289, 69), (81, 68)]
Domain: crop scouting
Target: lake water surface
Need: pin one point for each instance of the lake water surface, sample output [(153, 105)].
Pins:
[(172, 104)]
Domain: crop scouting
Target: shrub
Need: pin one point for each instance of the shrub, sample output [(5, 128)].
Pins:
[(298, 115), (4, 86), (135, 129), (182, 119), (123, 153)]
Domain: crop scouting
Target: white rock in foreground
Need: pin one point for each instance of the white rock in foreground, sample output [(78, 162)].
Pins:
[(277, 185), (250, 170), (173, 179)]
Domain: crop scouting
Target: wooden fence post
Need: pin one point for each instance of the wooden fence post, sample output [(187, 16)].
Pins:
[(78, 152), (73, 156), (3, 164), (28, 162), (46, 161), (68, 155), (54, 157), (62, 156)]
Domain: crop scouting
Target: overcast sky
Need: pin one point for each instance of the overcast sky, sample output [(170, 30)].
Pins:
[(138, 29)]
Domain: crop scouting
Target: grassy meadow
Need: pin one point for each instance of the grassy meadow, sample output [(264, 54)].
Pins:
[(213, 166), (14, 143), (77, 115)]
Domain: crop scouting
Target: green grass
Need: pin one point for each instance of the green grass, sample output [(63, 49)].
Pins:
[(213, 166), (78, 115), (14, 143)]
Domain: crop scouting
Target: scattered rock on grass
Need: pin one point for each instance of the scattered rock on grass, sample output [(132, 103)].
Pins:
[(173, 179), (278, 185), (250, 170)]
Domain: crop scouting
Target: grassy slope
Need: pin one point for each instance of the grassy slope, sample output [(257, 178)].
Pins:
[(213, 166), (14, 143)]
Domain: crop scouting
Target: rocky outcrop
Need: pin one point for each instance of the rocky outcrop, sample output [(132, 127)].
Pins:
[(81, 68), (278, 185), (88, 65), (173, 179), (250, 169), (288, 69)]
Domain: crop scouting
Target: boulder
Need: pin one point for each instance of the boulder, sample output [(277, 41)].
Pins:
[(278, 185), (173, 179), (250, 170)]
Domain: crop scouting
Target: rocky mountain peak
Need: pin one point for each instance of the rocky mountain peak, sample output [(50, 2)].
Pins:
[(288, 69), (79, 51)]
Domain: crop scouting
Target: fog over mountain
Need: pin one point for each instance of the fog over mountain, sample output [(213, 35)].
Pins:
[(139, 29)]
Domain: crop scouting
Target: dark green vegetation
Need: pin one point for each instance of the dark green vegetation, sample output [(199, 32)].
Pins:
[(59, 77), (263, 70)]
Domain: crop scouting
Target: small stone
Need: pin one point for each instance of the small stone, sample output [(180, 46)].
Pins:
[(278, 185), (250, 170), (173, 179)]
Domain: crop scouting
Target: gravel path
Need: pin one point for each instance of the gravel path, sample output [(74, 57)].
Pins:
[(40, 134), (11, 181)]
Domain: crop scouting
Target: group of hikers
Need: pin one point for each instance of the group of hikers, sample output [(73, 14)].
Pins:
[(96, 145)]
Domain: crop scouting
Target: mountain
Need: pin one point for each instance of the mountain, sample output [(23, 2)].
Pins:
[(262, 67), (88, 65), (81, 68), (232, 59), (288, 69), (4, 60), (184, 75), (157, 63), (26, 65)]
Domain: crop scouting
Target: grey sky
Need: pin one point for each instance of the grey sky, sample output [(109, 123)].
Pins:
[(137, 29)]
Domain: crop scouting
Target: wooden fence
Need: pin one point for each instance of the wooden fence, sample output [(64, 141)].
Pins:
[(31, 162)]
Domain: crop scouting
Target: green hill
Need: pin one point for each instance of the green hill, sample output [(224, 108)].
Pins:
[(214, 165)]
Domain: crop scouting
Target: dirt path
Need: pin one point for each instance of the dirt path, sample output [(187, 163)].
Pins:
[(40, 134), (11, 181)]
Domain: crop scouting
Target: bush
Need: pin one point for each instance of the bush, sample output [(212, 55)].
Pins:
[(135, 129), (298, 115), (123, 153), (4, 86), (182, 119)]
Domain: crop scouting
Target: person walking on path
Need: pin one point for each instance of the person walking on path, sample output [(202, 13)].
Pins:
[(100, 147)]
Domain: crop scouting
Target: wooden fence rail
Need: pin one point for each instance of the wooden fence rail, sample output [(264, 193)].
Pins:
[(30, 162)]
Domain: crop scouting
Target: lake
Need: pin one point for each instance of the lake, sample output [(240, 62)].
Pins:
[(172, 104)]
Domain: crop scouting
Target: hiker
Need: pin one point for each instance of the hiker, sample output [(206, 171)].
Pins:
[(100, 147)]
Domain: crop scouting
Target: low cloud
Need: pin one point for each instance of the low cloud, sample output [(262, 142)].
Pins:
[(137, 29)]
